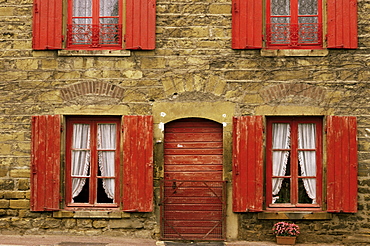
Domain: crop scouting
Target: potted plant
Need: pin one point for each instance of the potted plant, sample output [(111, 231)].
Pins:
[(285, 232)]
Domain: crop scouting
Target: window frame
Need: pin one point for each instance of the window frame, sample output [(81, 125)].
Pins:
[(93, 121), (294, 176), (95, 44), (294, 16)]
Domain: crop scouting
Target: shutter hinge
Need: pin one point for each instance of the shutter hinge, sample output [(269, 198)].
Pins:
[(236, 10), (124, 38), (36, 8), (61, 129), (62, 38)]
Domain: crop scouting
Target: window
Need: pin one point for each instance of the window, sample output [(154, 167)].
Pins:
[(294, 24), (293, 170), (94, 24), (293, 162), (92, 162), (95, 178)]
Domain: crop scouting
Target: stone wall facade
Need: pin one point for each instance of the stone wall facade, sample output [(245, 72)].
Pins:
[(193, 64)]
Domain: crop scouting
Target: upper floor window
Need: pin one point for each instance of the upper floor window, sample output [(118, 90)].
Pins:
[(94, 24), (294, 23)]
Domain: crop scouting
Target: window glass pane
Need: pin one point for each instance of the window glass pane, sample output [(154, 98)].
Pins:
[(80, 190), (106, 136), (307, 161), (307, 7), (307, 191), (108, 7), (82, 8), (283, 194), (280, 136), (105, 191), (306, 136), (281, 163), (280, 7)]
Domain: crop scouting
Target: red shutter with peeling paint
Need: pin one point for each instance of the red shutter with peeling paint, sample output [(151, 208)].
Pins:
[(247, 164), (341, 164), (138, 163), (247, 24), (47, 24), (140, 24), (342, 24), (45, 163)]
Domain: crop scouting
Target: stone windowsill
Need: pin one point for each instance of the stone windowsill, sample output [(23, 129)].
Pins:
[(91, 214), (295, 216), (294, 52), (94, 53)]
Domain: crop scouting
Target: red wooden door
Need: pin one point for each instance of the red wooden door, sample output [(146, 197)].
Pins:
[(192, 190)]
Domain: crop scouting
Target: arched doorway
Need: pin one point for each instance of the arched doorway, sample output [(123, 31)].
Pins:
[(193, 199)]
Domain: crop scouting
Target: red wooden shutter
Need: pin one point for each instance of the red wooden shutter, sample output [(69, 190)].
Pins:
[(140, 24), (47, 24), (45, 163), (247, 164), (138, 163), (341, 164), (342, 24), (247, 24)]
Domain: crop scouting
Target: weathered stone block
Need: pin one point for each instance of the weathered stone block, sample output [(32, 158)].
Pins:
[(20, 173), (19, 204), (4, 203)]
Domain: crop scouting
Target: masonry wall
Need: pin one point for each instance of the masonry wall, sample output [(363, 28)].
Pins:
[(192, 62)]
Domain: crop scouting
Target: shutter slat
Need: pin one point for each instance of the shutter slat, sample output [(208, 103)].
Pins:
[(45, 163), (342, 164), (246, 24), (342, 24), (47, 24), (247, 164), (138, 163), (140, 24)]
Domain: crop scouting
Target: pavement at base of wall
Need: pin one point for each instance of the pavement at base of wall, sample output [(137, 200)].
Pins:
[(62, 240)]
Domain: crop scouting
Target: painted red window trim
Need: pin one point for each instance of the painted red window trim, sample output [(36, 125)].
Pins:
[(140, 26), (294, 121), (93, 122), (137, 163), (248, 164), (294, 28), (341, 26), (47, 24), (94, 29), (342, 164), (45, 162), (247, 24)]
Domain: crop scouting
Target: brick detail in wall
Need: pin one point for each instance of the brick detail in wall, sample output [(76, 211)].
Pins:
[(297, 89), (92, 88)]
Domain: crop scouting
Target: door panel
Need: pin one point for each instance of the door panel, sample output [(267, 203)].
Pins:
[(193, 190)]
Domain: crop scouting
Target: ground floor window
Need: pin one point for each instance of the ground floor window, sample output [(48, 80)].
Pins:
[(92, 161), (293, 162)]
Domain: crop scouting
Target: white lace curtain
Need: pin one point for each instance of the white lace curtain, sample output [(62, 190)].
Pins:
[(81, 156), (107, 142), (281, 140), (83, 8), (307, 158)]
